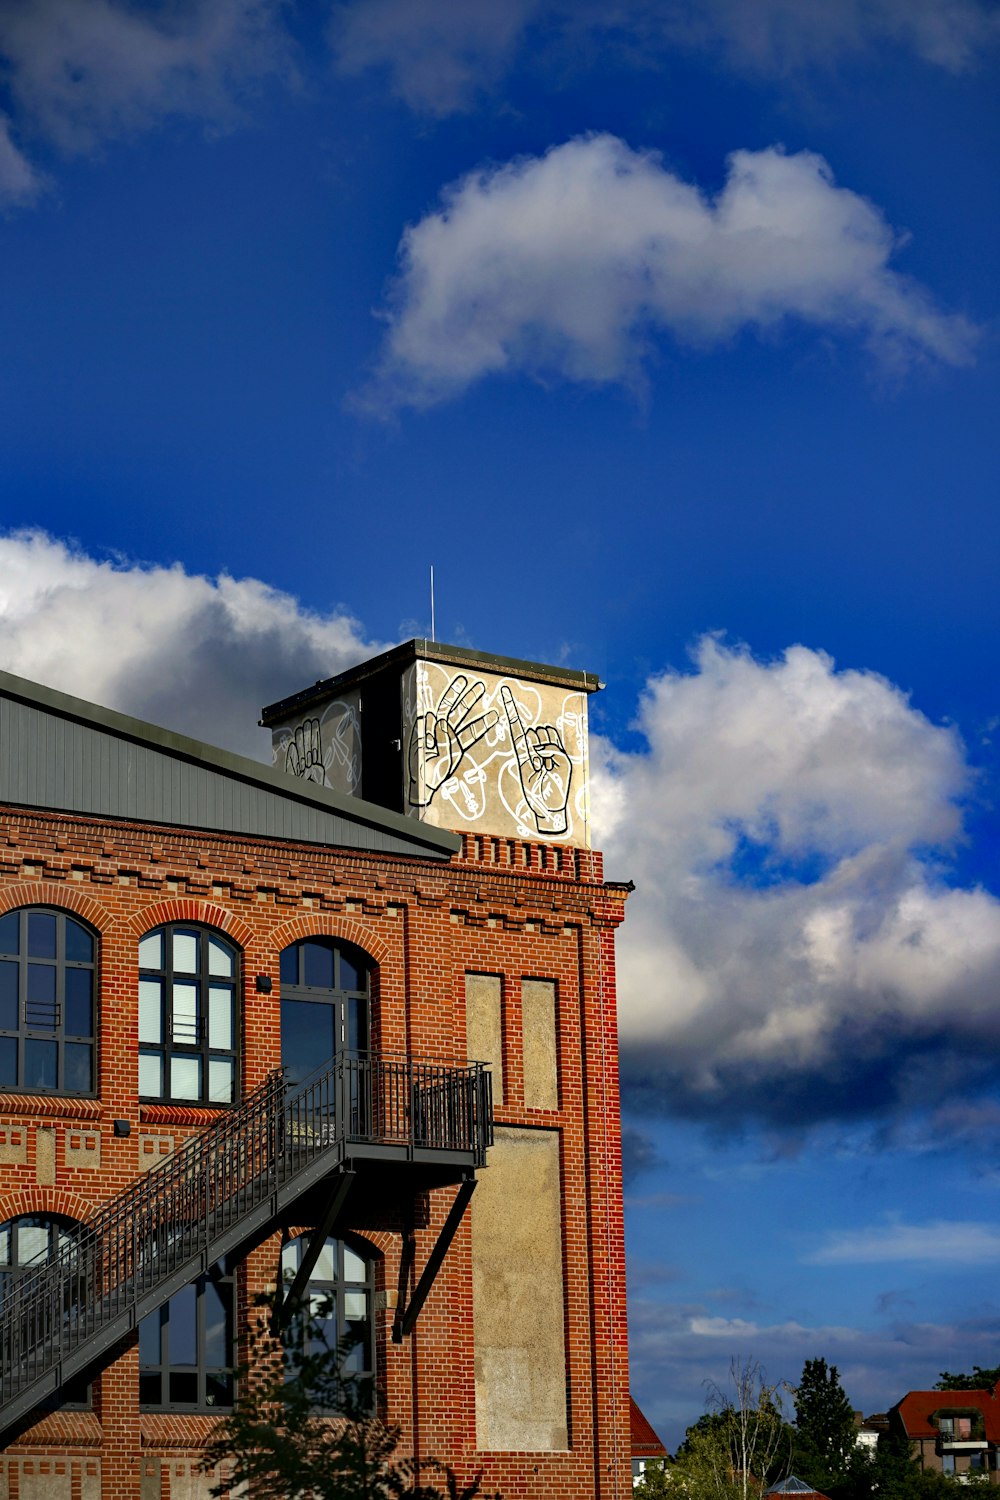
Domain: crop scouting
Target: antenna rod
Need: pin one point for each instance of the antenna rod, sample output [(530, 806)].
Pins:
[(433, 636)]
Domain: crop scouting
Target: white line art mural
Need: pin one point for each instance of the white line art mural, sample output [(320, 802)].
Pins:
[(495, 754), (438, 741), (324, 749)]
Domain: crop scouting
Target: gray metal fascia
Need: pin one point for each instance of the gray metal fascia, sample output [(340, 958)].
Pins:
[(238, 767)]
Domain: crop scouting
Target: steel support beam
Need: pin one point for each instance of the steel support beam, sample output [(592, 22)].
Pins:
[(403, 1324), (286, 1303)]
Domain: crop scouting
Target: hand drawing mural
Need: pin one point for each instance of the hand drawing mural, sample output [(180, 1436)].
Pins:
[(304, 752), (439, 739), (545, 769), (495, 753), (326, 750)]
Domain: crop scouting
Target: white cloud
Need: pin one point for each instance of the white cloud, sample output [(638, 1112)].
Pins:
[(20, 183), (793, 951), (573, 263), (440, 54), (942, 1242), (80, 72), (195, 654), (676, 1349)]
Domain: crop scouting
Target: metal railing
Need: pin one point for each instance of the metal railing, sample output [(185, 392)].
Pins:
[(136, 1250)]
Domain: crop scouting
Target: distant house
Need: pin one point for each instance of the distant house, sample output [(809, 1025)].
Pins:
[(953, 1432), (646, 1446), (869, 1429), (797, 1487)]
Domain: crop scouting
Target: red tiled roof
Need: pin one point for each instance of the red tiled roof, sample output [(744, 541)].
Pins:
[(645, 1443), (917, 1408)]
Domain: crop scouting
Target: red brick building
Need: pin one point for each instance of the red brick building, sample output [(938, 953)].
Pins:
[(175, 924)]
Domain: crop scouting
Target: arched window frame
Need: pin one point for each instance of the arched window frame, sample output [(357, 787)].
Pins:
[(48, 1002), (188, 1039), (27, 1242), (343, 1284)]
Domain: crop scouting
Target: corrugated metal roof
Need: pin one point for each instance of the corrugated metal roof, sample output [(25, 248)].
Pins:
[(63, 753)]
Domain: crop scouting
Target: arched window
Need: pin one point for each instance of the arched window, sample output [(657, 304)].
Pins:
[(340, 1297), (187, 1015), (26, 1243), (186, 1347), (324, 1003), (47, 1009)]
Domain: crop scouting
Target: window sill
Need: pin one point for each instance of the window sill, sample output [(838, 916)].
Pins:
[(52, 1104), (181, 1114), (178, 1431)]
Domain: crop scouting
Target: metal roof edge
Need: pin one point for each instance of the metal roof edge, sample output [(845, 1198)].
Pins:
[(420, 648), (225, 762)]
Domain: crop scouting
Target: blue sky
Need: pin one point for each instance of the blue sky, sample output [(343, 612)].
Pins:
[(667, 333)]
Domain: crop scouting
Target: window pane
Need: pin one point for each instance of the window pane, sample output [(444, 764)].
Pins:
[(78, 1058), (220, 1019), (185, 1013), (150, 1075), (41, 995), (220, 958), (357, 1025), (80, 1002), (8, 996), (151, 951), (289, 1260), (318, 963), (290, 965), (355, 1306), (10, 933), (39, 1064), (186, 952), (150, 1010), (217, 1303), (183, 1325), (149, 1339), (183, 1389), (355, 1269), (185, 1077), (350, 975), (32, 1242), (41, 934), (150, 1390), (219, 1390), (8, 1062), (325, 1268), (5, 1244), (306, 1036), (79, 943), (221, 1080)]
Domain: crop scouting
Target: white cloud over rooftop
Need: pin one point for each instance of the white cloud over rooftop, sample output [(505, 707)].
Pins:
[(574, 264)]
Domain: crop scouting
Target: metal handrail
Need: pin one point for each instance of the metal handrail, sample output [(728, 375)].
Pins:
[(168, 1220)]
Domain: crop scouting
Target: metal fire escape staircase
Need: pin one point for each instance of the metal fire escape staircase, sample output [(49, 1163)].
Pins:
[(223, 1189)]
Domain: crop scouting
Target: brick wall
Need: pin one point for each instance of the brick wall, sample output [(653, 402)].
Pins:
[(502, 907)]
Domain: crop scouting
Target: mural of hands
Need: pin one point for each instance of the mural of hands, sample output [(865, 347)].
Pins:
[(438, 740), (304, 755), (544, 767)]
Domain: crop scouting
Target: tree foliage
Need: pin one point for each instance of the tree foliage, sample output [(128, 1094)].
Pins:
[(979, 1380), (735, 1450), (824, 1427), (281, 1438)]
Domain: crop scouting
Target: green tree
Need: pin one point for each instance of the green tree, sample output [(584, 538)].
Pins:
[(281, 1438), (734, 1451), (824, 1427), (979, 1380)]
